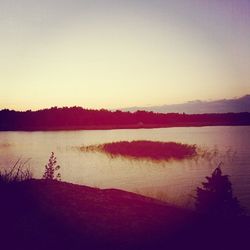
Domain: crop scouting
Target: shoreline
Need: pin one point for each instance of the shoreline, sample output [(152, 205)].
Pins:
[(122, 127), (40, 214)]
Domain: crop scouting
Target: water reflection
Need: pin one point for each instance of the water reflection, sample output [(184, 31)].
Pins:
[(173, 181)]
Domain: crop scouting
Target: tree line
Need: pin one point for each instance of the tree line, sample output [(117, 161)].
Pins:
[(72, 118)]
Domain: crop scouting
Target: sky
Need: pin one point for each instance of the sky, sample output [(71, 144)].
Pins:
[(115, 54)]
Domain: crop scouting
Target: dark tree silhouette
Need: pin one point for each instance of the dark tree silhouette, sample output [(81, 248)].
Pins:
[(216, 196), (51, 168), (73, 118)]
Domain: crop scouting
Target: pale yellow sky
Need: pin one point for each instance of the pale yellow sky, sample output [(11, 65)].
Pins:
[(117, 56)]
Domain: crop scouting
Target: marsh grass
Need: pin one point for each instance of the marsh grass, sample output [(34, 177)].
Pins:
[(143, 149), (19, 172)]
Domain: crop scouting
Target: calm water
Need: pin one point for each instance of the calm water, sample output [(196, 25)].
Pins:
[(173, 181)]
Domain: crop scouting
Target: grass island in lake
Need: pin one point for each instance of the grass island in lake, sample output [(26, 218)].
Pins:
[(144, 149)]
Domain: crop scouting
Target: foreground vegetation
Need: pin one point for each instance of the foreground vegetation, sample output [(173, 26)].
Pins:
[(51, 214), (17, 173), (48, 214)]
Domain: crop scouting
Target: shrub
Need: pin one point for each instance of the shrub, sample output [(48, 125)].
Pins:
[(50, 169), (216, 196)]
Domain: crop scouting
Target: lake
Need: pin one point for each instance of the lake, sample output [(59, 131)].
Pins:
[(172, 181)]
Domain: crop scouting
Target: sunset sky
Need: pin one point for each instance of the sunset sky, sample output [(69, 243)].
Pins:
[(113, 54)]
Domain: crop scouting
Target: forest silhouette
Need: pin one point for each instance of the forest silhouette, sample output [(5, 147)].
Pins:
[(73, 118)]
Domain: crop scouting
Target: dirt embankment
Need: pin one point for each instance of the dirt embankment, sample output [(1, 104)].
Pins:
[(39, 214)]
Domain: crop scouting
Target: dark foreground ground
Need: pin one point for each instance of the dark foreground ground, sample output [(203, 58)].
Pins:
[(39, 214)]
